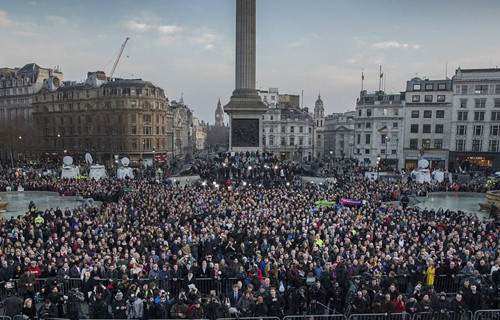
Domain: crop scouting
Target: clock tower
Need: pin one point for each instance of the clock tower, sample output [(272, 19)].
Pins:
[(219, 115)]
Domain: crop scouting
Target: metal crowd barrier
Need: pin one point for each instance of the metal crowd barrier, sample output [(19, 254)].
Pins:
[(251, 318), (487, 314), (380, 316), (5, 318), (317, 317)]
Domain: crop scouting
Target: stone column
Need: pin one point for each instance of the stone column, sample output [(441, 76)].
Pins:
[(245, 44)]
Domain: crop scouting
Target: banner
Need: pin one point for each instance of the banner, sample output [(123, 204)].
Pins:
[(350, 202)]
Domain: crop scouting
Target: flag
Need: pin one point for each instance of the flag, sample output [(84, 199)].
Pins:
[(362, 76), (381, 75), (382, 129)]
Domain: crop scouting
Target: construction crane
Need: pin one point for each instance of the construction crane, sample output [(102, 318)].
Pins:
[(118, 58)]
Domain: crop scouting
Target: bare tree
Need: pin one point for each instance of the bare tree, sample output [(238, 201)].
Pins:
[(19, 138), (217, 136)]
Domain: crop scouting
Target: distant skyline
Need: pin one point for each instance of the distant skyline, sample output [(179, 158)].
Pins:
[(320, 46)]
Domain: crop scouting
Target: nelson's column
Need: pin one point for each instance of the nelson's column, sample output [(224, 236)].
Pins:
[(245, 108)]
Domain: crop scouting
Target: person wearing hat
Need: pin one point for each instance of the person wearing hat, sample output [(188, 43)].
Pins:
[(442, 306), (196, 310), (135, 307), (119, 306)]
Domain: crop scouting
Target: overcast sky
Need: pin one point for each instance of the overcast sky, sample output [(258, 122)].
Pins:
[(187, 46)]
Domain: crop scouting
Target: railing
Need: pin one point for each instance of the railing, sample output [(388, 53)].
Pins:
[(487, 314), (443, 316), (317, 317), (380, 316)]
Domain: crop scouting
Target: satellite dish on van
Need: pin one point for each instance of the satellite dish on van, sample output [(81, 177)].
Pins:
[(88, 158), (423, 163), (67, 160), (125, 161)]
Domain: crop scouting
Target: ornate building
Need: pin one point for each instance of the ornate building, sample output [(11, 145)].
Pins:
[(219, 115), (319, 128), (339, 135), (17, 86), (183, 128), (107, 117)]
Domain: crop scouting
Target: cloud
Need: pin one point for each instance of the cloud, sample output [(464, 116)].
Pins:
[(209, 47), (56, 20), (169, 29), (386, 45), (4, 20), (167, 40), (33, 3), (137, 26), (204, 38), (298, 43)]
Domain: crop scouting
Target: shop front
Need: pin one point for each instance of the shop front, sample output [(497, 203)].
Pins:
[(475, 162)]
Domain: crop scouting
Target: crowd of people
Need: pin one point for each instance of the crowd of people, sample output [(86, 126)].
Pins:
[(255, 242)]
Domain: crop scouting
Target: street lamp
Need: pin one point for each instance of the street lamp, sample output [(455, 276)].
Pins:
[(378, 163)]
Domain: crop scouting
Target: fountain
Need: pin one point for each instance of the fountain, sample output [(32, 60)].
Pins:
[(3, 205), (492, 198)]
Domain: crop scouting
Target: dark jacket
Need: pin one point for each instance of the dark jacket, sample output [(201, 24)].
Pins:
[(13, 306)]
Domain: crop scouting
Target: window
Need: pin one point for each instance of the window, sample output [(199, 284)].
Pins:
[(417, 87), (359, 112), (426, 128), (384, 138), (415, 98), (462, 115), (441, 98), (429, 87), (460, 145), (426, 143), (480, 103), (271, 140), (479, 116), (359, 138), (415, 114), (368, 112), (463, 103), (271, 129), (146, 130), (368, 125), (394, 124), (427, 114), (493, 147), (461, 130), (497, 102), (292, 140), (476, 145), (494, 130), (283, 129), (382, 151), (395, 112), (367, 139), (384, 112), (359, 125), (428, 98), (414, 144), (367, 151), (310, 130), (414, 128), (481, 89), (146, 118), (283, 141), (134, 130), (478, 130), (497, 89), (301, 141), (438, 143), (439, 128), (441, 86), (292, 129), (439, 114), (495, 115), (465, 89)]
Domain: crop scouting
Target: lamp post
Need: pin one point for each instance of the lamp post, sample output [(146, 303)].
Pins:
[(378, 163)]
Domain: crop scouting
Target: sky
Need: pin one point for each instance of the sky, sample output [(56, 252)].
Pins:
[(187, 47)]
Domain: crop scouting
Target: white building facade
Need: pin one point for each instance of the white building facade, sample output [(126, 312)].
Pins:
[(427, 128), (379, 129), (339, 135), (475, 128)]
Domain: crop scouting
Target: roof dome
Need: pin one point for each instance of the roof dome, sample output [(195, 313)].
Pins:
[(319, 102)]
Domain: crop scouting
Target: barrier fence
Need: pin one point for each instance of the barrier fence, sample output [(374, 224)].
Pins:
[(380, 316), (478, 315)]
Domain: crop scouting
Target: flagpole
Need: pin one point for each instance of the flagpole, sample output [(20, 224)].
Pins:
[(362, 78), (380, 79)]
